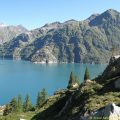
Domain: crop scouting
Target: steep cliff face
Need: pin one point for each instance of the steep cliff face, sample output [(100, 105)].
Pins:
[(112, 70), (85, 41)]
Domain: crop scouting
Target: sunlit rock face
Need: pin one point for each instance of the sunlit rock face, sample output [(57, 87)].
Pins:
[(111, 112), (8, 32), (2, 108), (112, 70), (113, 58), (44, 55)]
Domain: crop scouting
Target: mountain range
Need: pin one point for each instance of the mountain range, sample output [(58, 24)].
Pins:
[(87, 41), (8, 32)]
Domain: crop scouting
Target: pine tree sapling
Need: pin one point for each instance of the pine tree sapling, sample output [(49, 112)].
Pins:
[(20, 104), (41, 98), (7, 110), (13, 105), (71, 80), (44, 94), (87, 74), (38, 103), (27, 104)]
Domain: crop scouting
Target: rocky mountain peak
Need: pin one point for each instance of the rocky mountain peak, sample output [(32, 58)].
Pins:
[(93, 16), (111, 14), (111, 11), (3, 25), (44, 29), (70, 21), (52, 25), (105, 17), (22, 28), (8, 32)]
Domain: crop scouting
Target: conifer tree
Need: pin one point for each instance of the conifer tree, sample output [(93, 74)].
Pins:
[(71, 80), (87, 74), (7, 110), (13, 105), (20, 104), (27, 104), (41, 98), (44, 94), (38, 103)]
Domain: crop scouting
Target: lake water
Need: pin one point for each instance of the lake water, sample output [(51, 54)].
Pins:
[(22, 77)]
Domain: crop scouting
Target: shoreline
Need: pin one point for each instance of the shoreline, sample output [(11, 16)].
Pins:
[(54, 62)]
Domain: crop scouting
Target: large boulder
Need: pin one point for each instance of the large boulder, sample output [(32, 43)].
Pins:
[(112, 70), (109, 112)]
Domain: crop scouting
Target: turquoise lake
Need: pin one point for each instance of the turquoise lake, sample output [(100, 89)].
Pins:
[(23, 77)]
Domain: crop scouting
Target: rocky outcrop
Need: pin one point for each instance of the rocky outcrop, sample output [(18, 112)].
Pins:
[(8, 32), (112, 70), (114, 58), (2, 108), (110, 112), (117, 84), (44, 55)]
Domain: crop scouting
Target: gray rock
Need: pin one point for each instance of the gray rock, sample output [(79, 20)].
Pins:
[(110, 112)]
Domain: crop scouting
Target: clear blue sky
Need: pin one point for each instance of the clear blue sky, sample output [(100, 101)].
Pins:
[(36, 13)]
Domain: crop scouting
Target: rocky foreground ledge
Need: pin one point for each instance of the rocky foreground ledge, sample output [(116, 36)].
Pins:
[(97, 99)]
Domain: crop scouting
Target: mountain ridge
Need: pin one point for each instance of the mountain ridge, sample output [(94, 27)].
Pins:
[(8, 32), (90, 40)]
